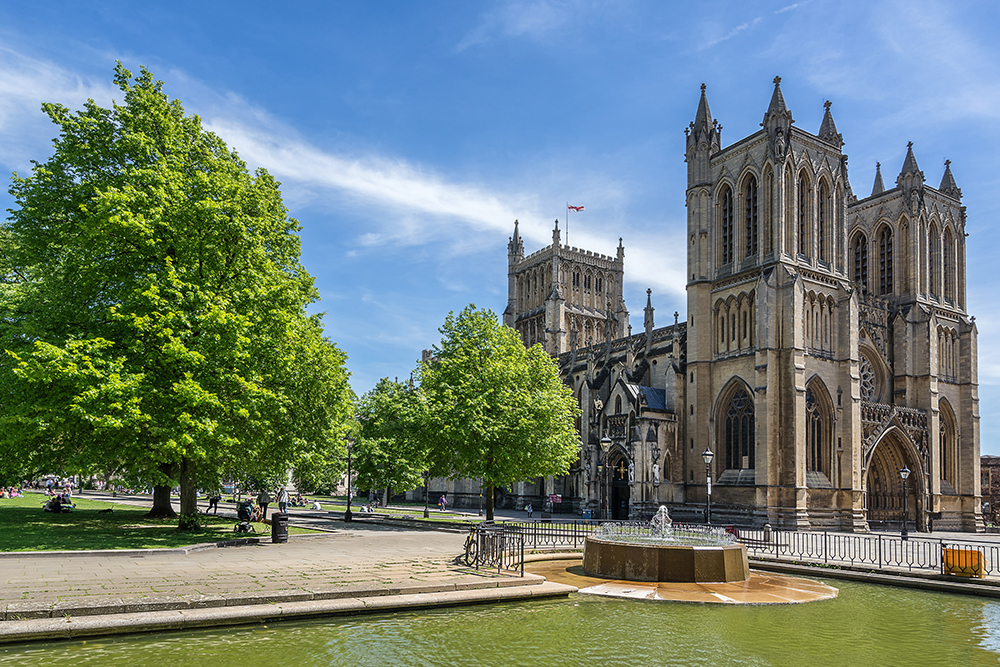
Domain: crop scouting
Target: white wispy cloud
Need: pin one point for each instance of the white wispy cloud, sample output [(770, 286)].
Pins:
[(527, 19), (743, 27)]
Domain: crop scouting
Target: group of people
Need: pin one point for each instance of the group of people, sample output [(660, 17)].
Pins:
[(10, 492), (60, 502), (264, 499)]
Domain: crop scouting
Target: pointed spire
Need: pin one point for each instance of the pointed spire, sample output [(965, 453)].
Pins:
[(828, 129), (778, 122), (777, 105), (555, 234), (621, 249), (648, 311), (515, 248), (703, 118), (879, 186), (948, 185), (910, 163)]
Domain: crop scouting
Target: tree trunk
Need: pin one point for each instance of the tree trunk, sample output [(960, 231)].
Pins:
[(189, 498), (490, 490), (162, 509), (385, 497)]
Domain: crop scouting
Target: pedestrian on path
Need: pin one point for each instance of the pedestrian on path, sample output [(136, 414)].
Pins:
[(443, 502), (529, 509), (282, 500), (263, 499), (213, 503)]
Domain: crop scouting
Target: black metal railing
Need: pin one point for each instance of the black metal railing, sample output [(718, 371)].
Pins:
[(491, 546), (877, 551)]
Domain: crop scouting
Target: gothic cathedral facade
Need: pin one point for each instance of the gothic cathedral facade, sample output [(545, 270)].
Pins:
[(827, 347)]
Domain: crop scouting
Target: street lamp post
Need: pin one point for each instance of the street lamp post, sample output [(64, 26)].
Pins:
[(707, 457), (347, 514), (904, 473), (602, 469), (427, 493)]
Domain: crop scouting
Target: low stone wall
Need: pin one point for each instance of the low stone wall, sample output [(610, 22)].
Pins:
[(665, 562)]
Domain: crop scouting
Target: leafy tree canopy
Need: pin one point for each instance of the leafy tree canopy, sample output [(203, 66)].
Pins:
[(390, 452), (153, 305), (495, 409)]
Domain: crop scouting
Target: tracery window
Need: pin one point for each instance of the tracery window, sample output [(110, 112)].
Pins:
[(803, 217), (885, 260), (751, 216), (868, 379), (726, 226), (861, 262), (933, 270), (739, 432), (823, 221), (946, 266), (814, 433)]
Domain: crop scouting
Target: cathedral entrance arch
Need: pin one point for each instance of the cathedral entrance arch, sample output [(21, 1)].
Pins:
[(620, 491), (884, 485)]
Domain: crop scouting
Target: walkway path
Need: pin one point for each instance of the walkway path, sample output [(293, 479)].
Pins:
[(351, 569)]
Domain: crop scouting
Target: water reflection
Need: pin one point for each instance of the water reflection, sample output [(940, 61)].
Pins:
[(866, 625)]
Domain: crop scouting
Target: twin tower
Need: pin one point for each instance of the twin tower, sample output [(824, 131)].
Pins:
[(826, 346)]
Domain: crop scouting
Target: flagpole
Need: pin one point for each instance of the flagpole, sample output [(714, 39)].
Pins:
[(567, 224)]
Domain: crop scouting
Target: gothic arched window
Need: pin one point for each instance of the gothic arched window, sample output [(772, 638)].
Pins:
[(739, 431), (934, 265), (726, 226), (947, 268), (823, 222), (803, 216), (946, 442), (814, 433), (860, 247), (751, 216), (885, 260)]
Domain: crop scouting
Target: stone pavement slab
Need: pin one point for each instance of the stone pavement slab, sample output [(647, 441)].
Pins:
[(353, 562)]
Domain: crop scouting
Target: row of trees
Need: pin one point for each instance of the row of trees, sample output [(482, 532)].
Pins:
[(484, 407), (154, 326)]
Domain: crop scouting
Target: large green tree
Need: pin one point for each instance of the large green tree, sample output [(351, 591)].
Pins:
[(390, 451), (495, 409), (153, 306)]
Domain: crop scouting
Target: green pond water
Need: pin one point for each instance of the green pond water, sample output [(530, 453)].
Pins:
[(866, 625)]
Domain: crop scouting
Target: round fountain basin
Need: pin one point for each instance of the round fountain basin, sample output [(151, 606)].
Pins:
[(649, 561)]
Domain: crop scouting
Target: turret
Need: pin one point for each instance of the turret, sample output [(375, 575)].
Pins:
[(948, 185), (878, 187), (648, 320), (704, 137), (828, 129), (910, 177), (778, 122)]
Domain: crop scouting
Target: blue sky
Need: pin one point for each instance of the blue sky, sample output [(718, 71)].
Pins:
[(408, 136)]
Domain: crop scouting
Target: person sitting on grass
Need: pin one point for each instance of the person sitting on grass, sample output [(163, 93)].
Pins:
[(316, 505)]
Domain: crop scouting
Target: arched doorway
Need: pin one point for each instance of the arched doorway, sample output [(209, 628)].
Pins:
[(619, 492), (884, 486)]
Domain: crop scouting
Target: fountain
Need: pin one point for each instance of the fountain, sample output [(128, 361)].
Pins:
[(656, 552)]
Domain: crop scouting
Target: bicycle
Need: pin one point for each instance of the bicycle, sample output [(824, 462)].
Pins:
[(471, 547)]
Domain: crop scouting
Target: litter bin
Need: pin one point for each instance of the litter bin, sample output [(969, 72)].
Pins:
[(279, 527)]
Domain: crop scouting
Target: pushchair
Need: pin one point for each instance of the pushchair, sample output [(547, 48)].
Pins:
[(244, 511)]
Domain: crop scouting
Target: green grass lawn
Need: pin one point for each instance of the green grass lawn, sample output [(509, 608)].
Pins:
[(26, 527)]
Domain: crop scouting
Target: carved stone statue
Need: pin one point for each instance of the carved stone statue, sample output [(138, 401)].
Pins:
[(631, 472), (586, 473), (656, 473)]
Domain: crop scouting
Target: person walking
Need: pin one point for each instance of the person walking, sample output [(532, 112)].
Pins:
[(443, 502), (263, 500), (213, 502), (282, 500), (529, 509)]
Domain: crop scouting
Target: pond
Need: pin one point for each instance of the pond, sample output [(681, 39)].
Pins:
[(866, 625)]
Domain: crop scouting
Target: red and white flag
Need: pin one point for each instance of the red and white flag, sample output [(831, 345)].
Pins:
[(575, 208)]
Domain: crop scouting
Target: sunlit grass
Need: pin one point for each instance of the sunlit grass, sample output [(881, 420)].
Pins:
[(26, 527)]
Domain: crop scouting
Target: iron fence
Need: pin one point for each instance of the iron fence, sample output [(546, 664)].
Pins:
[(875, 550), (491, 546)]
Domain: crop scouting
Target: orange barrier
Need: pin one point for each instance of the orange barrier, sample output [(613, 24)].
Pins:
[(962, 562)]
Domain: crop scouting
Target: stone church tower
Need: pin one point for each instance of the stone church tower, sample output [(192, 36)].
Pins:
[(827, 346), (563, 297)]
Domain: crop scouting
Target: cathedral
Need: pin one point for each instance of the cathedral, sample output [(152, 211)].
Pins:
[(826, 348)]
